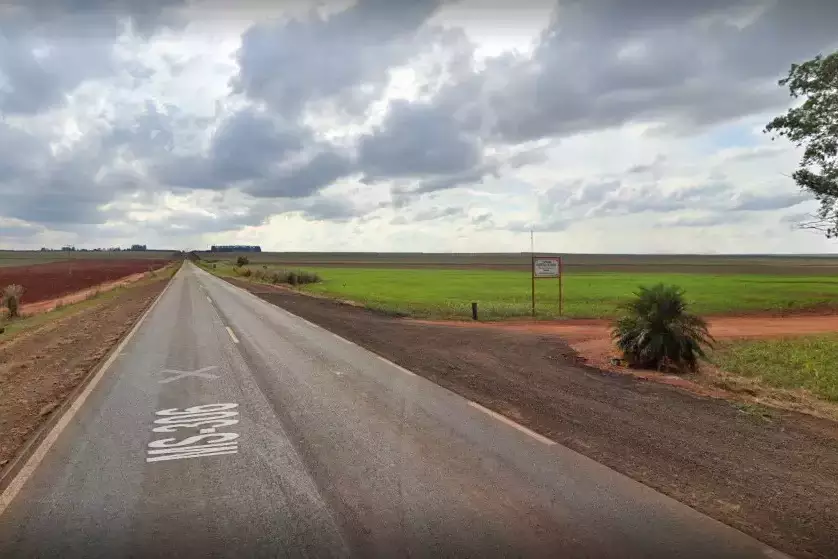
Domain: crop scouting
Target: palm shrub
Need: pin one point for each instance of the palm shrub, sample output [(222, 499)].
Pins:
[(657, 332), (11, 298)]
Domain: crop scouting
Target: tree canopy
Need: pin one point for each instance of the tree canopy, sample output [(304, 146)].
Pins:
[(814, 124)]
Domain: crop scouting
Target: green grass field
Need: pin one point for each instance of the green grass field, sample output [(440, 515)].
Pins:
[(804, 362), (447, 294)]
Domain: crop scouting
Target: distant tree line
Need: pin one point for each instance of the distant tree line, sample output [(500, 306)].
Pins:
[(70, 248), (235, 248)]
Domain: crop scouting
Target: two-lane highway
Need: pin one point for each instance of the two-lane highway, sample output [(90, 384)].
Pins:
[(229, 427)]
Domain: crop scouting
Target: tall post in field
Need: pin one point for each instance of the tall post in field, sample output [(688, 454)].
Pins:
[(561, 280), (532, 269)]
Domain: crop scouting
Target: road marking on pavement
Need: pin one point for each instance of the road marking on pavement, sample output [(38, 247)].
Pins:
[(207, 419), (200, 373), (208, 299), (35, 459), (529, 432), (232, 334), (396, 365), (514, 425)]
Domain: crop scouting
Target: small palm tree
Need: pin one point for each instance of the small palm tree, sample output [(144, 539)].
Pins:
[(658, 332)]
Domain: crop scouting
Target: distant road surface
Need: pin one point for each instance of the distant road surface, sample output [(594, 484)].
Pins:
[(227, 427)]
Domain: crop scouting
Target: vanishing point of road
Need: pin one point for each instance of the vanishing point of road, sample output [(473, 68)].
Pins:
[(224, 426)]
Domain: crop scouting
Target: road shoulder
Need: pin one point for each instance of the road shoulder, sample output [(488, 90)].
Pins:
[(44, 365)]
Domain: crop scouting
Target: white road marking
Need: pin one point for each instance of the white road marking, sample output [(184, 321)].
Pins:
[(540, 438), (35, 459), (208, 299), (196, 417), (177, 375), (514, 425), (399, 367), (232, 335)]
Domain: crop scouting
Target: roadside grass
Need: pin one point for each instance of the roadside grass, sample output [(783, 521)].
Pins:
[(13, 327), (806, 362), (448, 294)]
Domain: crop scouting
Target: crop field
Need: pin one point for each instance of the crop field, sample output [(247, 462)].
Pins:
[(438, 290), (53, 279), (800, 362), (573, 263), (30, 257)]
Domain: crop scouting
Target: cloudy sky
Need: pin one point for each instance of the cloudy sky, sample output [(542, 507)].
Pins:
[(404, 125)]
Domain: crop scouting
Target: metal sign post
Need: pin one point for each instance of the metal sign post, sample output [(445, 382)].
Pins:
[(547, 267)]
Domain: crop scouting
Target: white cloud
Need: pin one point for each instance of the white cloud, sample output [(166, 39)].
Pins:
[(411, 125)]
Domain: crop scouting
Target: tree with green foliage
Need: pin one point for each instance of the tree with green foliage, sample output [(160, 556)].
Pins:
[(814, 124), (657, 332), (242, 261)]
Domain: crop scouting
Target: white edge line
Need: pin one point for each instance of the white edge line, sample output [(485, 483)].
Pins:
[(208, 299), (502, 418), (232, 334), (35, 459), (514, 425)]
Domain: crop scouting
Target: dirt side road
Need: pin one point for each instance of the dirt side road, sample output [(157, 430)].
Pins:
[(40, 368), (776, 479)]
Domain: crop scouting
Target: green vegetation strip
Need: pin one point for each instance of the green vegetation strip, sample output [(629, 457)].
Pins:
[(804, 362), (444, 294), (447, 294)]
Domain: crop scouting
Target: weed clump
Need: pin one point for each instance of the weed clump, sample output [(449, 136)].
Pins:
[(11, 299)]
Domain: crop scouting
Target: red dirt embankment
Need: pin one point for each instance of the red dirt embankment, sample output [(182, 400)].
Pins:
[(42, 282)]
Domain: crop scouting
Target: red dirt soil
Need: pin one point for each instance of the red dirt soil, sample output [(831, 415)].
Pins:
[(42, 282), (721, 327)]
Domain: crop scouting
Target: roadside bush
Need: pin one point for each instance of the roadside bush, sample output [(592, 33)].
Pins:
[(657, 332), (307, 277), (11, 299), (246, 272), (293, 278), (242, 261)]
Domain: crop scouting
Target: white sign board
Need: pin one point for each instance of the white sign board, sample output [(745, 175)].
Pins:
[(546, 267)]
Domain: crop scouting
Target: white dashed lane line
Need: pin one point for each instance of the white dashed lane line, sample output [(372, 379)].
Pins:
[(232, 335)]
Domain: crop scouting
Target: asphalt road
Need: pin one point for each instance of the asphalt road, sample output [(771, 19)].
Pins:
[(308, 445)]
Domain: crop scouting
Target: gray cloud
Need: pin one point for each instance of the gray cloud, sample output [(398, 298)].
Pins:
[(304, 179), (754, 202), (288, 64), (417, 140), (248, 144), (49, 47), (603, 63), (18, 231), (706, 220), (430, 214)]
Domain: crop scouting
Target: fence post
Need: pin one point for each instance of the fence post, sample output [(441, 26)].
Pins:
[(474, 311)]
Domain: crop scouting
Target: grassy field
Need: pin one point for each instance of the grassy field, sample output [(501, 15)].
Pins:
[(804, 362), (448, 293), (573, 263)]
